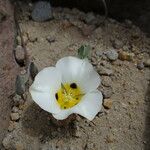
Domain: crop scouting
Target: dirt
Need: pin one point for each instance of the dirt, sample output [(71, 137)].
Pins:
[(125, 125), (8, 67)]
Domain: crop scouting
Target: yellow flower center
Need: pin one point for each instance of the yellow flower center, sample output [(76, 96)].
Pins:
[(68, 95)]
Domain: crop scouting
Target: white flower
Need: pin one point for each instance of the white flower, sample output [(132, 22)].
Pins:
[(70, 87)]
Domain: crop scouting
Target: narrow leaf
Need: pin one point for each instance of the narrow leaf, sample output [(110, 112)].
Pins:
[(33, 70)]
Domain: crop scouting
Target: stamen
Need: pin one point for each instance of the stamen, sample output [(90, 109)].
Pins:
[(64, 89), (68, 95)]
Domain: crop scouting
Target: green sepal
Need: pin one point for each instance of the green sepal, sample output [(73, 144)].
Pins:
[(84, 51), (33, 70)]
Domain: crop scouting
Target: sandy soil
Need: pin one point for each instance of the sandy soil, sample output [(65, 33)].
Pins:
[(125, 125), (8, 67)]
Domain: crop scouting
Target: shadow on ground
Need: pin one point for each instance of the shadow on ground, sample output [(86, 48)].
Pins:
[(38, 123), (147, 121)]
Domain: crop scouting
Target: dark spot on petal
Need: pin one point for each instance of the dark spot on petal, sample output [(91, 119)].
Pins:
[(77, 98), (73, 85), (65, 107), (56, 96)]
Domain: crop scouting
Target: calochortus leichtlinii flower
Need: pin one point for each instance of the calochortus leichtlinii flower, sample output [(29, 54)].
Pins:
[(70, 87)]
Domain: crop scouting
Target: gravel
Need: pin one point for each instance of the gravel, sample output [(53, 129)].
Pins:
[(117, 44), (90, 17), (106, 81), (14, 116), (107, 103), (42, 11), (7, 142), (104, 71), (140, 65), (107, 92), (112, 55), (126, 56), (147, 63), (15, 109), (19, 52), (106, 131)]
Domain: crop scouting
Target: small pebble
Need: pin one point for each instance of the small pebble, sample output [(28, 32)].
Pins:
[(87, 30), (112, 55), (110, 139), (90, 18), (147, 63), (78, 132), (19, 145), (140, 65), (107, 103), (126, 47), (66, 24), (107, 92), (106, 81), (91, 146), (19, 52), (25, 38), (42, 11), (18, 39), (23, 71), (54, 134), (99, 53), (7, 142), (12, 126), (104, 71), (78, 118), (14, 116), (15, 109), (50, 39), (105, 64), (117, 44), (126, 56), (17, 100), (32, 38)]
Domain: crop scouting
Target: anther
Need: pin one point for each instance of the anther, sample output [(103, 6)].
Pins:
[(56, 96), (73, 85)]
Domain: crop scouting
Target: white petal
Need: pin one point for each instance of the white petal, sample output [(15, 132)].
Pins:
[(89, 106), (69, 67), (89, 78), (45, 100), (48, 79), (63, 114), (44, 87), (79, 71)]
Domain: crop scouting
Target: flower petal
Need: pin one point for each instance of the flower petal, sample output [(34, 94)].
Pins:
[(80, 71), (63, 114), (89, 106), (48, 79), (45, 100), (44, 87)]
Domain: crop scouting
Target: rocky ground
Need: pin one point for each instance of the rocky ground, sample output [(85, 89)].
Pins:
[(120, 54), (8, 67)]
